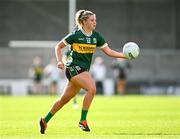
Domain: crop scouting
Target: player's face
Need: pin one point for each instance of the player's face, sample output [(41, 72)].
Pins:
[(91, 22)]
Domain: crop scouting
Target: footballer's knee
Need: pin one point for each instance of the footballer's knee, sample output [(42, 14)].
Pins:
[(92, 90)]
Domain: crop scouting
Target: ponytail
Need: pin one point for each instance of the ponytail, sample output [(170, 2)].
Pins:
[(81, 16)]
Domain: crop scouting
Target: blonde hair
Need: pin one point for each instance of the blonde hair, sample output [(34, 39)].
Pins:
[(82, 15)]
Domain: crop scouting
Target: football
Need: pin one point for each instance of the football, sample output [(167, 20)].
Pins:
[(131, 50)]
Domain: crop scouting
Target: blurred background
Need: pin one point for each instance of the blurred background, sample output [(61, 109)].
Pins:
[(31, 28)]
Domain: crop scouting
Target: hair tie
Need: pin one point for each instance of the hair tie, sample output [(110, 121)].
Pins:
[(81, 14)]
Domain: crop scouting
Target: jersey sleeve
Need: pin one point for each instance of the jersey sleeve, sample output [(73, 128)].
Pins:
[(69, 39), (100, 41)]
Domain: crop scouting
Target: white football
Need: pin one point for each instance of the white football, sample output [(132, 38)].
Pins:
[(131, 50)]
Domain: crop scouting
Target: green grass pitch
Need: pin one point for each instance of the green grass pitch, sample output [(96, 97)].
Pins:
[(114, 117)]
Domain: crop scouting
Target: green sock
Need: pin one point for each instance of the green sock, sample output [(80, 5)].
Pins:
[(48, 117), (83, 115)]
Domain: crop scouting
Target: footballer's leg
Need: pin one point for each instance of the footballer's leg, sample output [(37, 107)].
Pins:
[(70, 91), (85, 81)]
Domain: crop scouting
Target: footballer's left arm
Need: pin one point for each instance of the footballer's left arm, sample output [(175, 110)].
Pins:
[(112, 53)]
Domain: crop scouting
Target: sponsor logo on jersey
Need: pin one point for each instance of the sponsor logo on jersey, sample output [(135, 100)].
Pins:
[(81, 39), (84, 48)]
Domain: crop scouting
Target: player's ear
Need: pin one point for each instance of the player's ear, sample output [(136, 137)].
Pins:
[(84, 22)]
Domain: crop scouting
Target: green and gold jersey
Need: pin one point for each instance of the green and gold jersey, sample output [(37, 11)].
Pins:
[(82, 47)]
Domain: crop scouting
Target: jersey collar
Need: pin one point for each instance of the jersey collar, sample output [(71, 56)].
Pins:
[(83, 31)]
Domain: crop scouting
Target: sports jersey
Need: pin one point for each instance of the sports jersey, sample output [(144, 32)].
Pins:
[(82, 47)]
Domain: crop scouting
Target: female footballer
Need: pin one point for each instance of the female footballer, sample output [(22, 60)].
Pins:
[(83, 42)]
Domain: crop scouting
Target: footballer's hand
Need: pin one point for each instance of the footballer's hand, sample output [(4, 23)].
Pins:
[(60, 65), (128, 58)]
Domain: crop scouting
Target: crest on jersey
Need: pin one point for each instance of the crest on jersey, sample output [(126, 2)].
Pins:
[(94, 40)]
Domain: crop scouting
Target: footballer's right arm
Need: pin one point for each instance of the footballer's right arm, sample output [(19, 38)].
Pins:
[(58, 54)]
